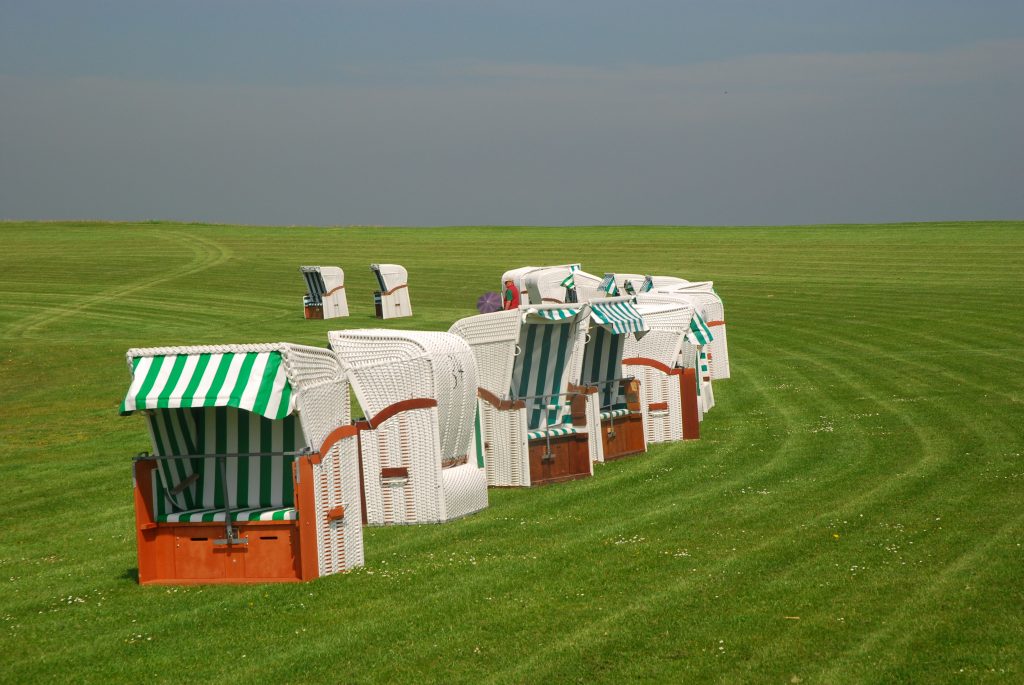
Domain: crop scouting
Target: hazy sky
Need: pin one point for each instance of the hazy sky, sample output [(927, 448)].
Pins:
[(519, 112)]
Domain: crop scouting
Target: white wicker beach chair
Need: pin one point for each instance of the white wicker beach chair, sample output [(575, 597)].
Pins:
[(539, 284), (325, 292), (709, 305), (254, 471), (668, 392), (534, 427), (694, 351), (417, 445), (614, 413), (392, 300)]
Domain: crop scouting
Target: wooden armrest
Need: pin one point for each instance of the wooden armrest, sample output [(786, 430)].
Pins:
[(398, 407), (498, 403), (653, 363)]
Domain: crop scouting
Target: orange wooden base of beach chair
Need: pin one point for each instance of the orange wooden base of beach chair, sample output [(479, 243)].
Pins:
[(623, 436), (187, 553), (691, 411), (313, 311), (568, 459)]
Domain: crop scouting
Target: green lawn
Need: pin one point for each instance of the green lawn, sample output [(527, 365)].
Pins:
[(854, 511)]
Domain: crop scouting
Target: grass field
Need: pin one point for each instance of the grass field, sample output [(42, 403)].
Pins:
[(852, 514)]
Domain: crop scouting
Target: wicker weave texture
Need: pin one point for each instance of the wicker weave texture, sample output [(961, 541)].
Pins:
[(408, 440), (387, 367), (587, 286), (662, 425), (318, 383), (593, 427), (492, 338), (465, 490), (508, 458)]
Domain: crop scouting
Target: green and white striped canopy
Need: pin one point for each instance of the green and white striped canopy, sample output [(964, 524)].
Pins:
[(254, 381), (618, 317), (699, 333), (558, 314)]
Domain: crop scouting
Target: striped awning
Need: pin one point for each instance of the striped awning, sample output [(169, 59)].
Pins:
[(618, 317), (699, 333), (557, 314), (254, 381)]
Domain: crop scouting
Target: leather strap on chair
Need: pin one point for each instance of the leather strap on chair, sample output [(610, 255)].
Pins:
[(654, 363), (398, 407), (337, 434)]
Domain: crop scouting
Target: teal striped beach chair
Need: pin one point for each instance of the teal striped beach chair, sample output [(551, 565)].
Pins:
[(253, 464), (534, 422), (614, 411)]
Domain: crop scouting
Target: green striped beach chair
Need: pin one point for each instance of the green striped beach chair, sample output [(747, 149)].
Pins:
[(534, 425), (616, 424), (420, 451), (253, 464)]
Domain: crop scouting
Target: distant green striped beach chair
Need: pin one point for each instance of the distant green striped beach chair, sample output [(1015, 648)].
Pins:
[(325, 292), (534, 426), (392, 300), (253, 474), (614, 412), (668, 392), (420, 449)]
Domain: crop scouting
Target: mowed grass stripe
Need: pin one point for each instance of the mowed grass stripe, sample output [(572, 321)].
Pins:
[(637, 574)]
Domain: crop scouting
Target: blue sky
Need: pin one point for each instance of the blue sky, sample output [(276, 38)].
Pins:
[(424, 113)]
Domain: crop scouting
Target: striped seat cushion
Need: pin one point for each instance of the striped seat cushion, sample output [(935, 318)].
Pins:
[(259, 488), (614, 413), (215, 515), (565, 429)]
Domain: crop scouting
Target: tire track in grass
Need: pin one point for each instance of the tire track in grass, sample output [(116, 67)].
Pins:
[(207, 254), (644, 600), (884, 491), (896, 632)]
